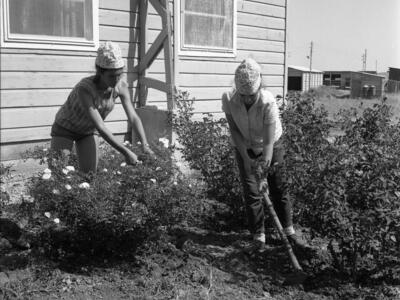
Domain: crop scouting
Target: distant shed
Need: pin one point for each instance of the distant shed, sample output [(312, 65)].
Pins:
[(299, 78), (394, 74), (393, 83), (360, 84)]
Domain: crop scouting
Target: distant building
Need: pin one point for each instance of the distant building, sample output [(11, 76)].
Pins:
[(393, 83), (360, 84), (394, 74), (299, 78)]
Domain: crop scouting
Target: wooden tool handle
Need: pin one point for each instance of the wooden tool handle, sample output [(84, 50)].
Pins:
[(278, 225)]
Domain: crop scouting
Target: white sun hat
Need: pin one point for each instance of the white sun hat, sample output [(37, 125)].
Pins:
[(248, 77), (109, 56)]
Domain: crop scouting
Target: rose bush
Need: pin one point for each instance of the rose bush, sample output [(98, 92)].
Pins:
[(4, 175), (348, 187), (112, 211), (205, 145)]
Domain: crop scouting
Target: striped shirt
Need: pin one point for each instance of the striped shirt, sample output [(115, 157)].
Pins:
[(250, 122), (73, 114)]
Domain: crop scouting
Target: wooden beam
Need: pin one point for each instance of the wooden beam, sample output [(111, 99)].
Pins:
[(143, 91), (168, 59), (156, 84), (158, 7), (153, 51)]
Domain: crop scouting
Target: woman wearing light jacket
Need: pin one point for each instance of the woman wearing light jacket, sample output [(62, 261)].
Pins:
[(256, 131), (81, 118)]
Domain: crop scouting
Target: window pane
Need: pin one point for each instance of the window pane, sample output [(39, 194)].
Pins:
[(208, 23), (62, 18)]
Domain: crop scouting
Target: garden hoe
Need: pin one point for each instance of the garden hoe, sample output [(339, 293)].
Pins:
[(298, 276)]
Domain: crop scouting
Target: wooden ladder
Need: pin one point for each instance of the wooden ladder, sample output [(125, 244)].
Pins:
[(146, 58)]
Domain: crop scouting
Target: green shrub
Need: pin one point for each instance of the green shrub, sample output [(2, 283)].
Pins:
[(205, 145), (5, 171), (113, 211), (348, 187)]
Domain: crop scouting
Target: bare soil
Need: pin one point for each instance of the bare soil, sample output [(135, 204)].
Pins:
[(179, 263)]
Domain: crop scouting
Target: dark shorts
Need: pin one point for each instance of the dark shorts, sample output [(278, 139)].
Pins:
[(57, 130)]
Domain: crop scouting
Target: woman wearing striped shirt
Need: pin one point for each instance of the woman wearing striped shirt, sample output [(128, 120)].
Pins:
[(81, 118)]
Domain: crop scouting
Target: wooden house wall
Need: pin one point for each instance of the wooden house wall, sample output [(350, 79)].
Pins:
[(34, 83)]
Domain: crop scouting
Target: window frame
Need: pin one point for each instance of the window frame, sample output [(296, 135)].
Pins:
[(27, 41), (203, 51)]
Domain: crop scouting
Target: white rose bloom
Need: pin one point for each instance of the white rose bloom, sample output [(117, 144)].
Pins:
[(119, 173), (158, 168), (47, 171), (57, 220), (47, 214), (46, 176), (84, 185), (330, 139), (359, 172), (68, 187), (65, 171), (105, 170), (29, 199), (123, 164), (153, 180), (175, 183), (70, 168), (164, 141), (56, 192)]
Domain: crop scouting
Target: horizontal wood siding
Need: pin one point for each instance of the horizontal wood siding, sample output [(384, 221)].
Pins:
[(35, 82), (260, 35)]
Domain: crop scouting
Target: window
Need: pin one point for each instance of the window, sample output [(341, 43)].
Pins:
[(54, 24), (208, 27)]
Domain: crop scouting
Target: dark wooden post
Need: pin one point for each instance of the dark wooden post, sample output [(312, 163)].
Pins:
[(142, 88), (168, 60)]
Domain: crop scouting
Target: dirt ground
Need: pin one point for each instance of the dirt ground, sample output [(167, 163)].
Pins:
[(182, 263)]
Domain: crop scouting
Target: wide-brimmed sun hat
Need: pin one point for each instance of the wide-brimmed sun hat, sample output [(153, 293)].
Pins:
[(109, 56), (248, 77)]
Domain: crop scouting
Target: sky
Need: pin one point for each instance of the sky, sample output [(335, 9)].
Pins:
[(341, 30)]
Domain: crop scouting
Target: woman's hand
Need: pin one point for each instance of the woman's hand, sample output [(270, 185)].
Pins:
[(131, 158), (263, 185), (146, 149)]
